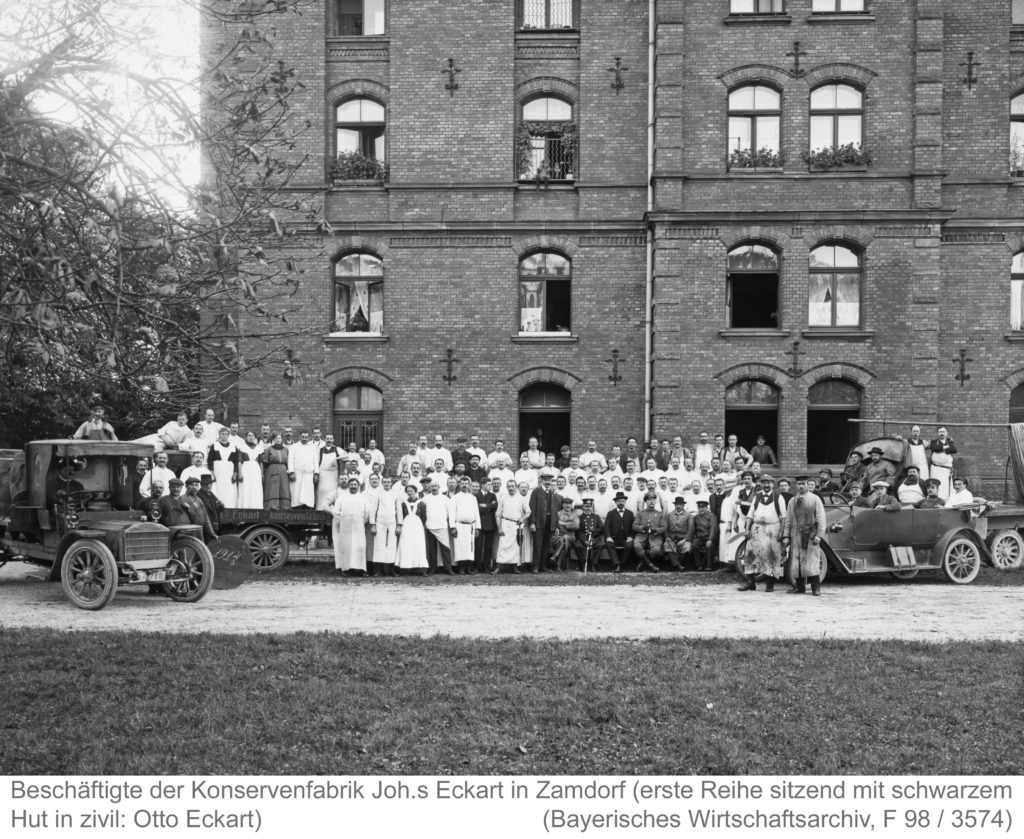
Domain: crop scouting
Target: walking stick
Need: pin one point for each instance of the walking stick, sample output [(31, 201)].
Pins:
[(586, 553)]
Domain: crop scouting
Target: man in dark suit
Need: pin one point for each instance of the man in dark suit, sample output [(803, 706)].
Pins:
[(618, 531), (543, 522), (488, 504)]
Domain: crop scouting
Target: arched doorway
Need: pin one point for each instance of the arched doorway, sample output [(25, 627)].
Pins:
[(830, 406), (358, 415), (752, 408), (544, 412)]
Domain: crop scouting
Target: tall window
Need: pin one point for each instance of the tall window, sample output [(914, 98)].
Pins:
[(1017, 404), (547, 14), (545, 293), (837, 117), (1017, 293), (751, 409), (358, 416), (359, 127), (1017, 13), (837, 6), (834, 287), (754, 114), (358, 17), (359, 294), (1017, 136), (753, 287), (755, 7), (547, 140), (830, 407)]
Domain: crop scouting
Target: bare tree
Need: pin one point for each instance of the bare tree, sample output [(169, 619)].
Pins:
[(119, 278)]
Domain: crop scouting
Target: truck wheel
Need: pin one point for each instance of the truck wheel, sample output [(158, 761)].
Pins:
[(1007, 549), (88, 574), (192, 563), (268, 547), (961, 561)]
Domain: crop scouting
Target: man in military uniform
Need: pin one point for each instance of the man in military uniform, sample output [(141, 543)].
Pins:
[(211, 503), (649, 534), (589, 545), (677, 526), (702, 534), (564, 538), (932, 499)]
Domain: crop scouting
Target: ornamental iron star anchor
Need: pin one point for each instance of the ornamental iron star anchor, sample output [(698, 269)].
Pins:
[(970, 79), (795, 370), (616, 376), (795, 54), (618, 70), (962, 359), (451, 85), (449, 359)]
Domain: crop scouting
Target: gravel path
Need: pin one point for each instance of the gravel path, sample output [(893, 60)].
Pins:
[(920, 613)]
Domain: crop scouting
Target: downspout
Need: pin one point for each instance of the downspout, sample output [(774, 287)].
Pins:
[(649, 279)]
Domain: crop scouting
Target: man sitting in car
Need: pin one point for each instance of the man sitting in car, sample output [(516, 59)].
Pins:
[(880, 499)]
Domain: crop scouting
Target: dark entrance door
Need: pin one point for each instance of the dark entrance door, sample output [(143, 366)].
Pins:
[(358, 416), (752, 408), (544, 413), (830, 436)]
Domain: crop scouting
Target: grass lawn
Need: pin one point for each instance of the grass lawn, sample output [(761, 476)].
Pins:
[(121, 703)]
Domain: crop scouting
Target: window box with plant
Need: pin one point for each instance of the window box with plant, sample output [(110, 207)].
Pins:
[(762, 160), (546, 151), (851, 157), (354, 168)]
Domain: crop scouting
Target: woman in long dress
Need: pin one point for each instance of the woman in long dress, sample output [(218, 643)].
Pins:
[(327, 480), (223, 461), (412, 540), (351, 513), (250, 488), (277, 495)]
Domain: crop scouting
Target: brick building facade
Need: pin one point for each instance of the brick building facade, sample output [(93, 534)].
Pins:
[(513, 224)]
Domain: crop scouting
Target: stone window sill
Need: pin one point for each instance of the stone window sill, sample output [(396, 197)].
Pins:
[(782, 19), (837, 170), (841, 17), (556, 186), (732, 333), (354, 337), (755, 170), (545, 338), (1014, 337), (357, 183), (837, 333)]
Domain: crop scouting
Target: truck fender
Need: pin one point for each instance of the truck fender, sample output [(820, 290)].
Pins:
[(67, 540), (966, 533)]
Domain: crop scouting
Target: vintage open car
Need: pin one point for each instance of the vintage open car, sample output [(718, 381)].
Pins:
[(71, 510)]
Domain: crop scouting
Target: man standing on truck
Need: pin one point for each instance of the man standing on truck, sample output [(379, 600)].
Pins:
[(96, 427)]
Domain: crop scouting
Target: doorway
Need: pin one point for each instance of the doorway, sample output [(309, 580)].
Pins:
[(830, 435), (752, 409), (544, 413)]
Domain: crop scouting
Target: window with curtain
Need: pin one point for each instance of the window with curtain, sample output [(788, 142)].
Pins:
[(358, 294), (834, 287), (545, 293)]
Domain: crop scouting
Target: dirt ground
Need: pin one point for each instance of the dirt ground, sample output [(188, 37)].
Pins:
[(464, 609)]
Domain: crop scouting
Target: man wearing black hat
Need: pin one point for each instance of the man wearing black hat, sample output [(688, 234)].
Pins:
[(197, 510), (487, 501), (805, 528), (877, 469), (618, 531), (211, 502), (649, 534), (171, 507), (702, 535), (543, 522), (677, 526)]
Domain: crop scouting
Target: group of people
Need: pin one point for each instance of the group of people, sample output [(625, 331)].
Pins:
[(661, 506)]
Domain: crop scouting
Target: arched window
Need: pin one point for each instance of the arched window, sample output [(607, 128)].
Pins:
[(754, 114), (358, 17), (1017, 404), (546, 14), (544, 412), (359, 129), (752, 293), (1017, 292), (837, 117), (546, 143), (358, 415), (752, 409), (358, 294), (830, 406), (545, 293), (1017, 136), (834, 287)]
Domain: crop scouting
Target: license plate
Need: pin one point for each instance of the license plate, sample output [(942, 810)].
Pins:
[(156, 576)]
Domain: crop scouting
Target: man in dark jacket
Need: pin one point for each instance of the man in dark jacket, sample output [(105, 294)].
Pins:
[(213, 505), (618, 531), (488, 504), (543, 522)]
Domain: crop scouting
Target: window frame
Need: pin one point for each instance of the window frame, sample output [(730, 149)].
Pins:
[(347, 281), (1017, 119), (753, 115), (523, 26), (337, 16), (730, 292), (554, 131), (545, 279), (833, 273), (834, 114), (1017, 292), (835, 10), (361, 127), (756, 10)]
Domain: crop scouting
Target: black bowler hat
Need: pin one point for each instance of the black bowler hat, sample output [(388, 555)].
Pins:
[(621, 496), (206, 478)]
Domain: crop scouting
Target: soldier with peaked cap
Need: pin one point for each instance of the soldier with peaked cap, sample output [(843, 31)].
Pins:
[(931, 499), (702, 535)]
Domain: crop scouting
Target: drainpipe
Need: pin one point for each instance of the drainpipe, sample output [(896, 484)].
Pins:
[(649, 280)]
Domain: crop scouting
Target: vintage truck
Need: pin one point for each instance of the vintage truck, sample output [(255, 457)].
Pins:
[(70, 509)]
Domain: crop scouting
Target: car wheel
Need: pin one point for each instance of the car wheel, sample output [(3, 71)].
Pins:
[(88, 574), (905, 574), (268, 548), (741, 559), (192, 566), (1007, 548), (961, 561)]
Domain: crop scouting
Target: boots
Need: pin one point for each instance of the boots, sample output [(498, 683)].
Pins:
[(815, 582), (750, 586), (770, 585), (799, 587)]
